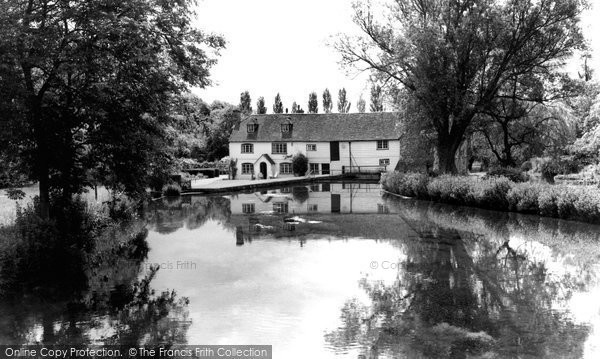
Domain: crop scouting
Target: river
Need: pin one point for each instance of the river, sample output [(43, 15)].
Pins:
[(337, 270)]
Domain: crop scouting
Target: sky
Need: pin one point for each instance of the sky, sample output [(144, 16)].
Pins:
[(282, 46)]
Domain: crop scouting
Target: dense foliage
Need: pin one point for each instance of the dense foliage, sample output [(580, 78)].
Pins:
[(299, 164), (86, 88), (84, 264), (462, 59), (327, 101), (313, 103), (499, 193)]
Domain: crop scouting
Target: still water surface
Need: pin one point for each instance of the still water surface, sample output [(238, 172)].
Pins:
[(338, 270)]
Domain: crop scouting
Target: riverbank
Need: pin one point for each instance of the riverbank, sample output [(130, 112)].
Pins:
[(580, 203), (219, 185)]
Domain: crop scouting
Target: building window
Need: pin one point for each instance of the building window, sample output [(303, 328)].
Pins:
[(384, 162), (252, 127), (247, 168), (280, 207), (314, 168), (382, 144), (286, 190), (285, 168), (247, 207), (286, 127), (247, 148), (311, 146), (279, 148), (312, 208)]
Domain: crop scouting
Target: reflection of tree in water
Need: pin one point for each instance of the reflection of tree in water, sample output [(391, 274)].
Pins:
[(458, 294), (90, 295), (168, 215)]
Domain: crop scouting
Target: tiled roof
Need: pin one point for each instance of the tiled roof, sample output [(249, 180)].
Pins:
[(321, 127)]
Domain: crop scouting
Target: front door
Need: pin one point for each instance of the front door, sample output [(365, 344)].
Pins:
[(263, 170), (324, 168), (335, 203), (334, 150)]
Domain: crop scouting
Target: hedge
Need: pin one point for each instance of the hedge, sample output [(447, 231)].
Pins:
[(499, 193)]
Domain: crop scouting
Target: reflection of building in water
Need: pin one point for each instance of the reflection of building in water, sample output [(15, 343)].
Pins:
[(316, 198), (321, 210)]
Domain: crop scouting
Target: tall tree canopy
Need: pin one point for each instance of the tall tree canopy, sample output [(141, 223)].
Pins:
[(327, 102), (277, 105), (261, 109), (376, 99), (343, 103), (361, 105), (245, 103), (454, 56), (313, 103), (88, 85)]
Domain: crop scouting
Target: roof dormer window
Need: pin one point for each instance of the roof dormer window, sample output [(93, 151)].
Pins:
[(252, 126), (286, 127)]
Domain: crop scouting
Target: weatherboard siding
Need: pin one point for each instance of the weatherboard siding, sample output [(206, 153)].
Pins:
[(364, 153)]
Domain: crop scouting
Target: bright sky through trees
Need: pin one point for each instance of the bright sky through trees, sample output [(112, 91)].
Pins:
[(281, 46)]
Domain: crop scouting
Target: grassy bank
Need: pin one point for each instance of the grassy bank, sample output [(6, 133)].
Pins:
[(499, 193)]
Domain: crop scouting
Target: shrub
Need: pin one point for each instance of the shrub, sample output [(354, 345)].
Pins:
[(499, 193), (587, 205), (512, 174), (523, 197), (491, 193), (299, 164), (549, 169), (450, 189), (547, 202), (565, 203), (407, 184), (171, 189), (526, 166)]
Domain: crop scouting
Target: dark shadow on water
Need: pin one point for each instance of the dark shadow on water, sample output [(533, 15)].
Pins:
[(81, 280), (465, 289)]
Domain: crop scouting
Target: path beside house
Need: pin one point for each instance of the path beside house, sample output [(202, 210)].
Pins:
[(214, 185)]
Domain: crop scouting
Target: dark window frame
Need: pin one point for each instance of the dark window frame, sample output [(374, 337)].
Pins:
[(251, 165), (248, 208), (286, 127), (289, 168), (274, 147), (383, 145), (251, 145)]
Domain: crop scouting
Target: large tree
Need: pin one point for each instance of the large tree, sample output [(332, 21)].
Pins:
[(277, 105), (245, 103), (313, 103), (89, 83), (454, 56), (327, 102), (343, 103), (376, 99), (261, 109), (361, 105), (515, 127)]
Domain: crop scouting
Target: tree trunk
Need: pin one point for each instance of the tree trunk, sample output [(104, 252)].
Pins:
[(446, 154), (42, 166), (44, 182)]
